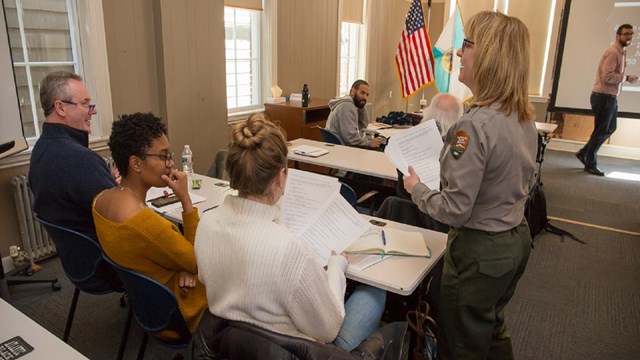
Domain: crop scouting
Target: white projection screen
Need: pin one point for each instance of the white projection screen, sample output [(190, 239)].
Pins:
[(10, 121), (588, 28)]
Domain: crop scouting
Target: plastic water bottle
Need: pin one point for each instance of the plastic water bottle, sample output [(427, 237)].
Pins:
[(187, 161)]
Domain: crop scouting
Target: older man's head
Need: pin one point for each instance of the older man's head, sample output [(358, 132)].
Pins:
[(446, 109)]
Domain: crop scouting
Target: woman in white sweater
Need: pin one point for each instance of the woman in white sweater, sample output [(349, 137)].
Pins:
[(257, 272)]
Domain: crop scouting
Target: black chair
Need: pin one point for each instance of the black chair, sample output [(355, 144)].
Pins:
[(218, 338), (83, 264), (155, 307)]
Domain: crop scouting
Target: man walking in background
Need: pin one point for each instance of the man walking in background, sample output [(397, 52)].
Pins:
[(609, 78)]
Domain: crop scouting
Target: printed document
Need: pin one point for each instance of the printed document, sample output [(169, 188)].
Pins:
[(314, 211), (419, 147)]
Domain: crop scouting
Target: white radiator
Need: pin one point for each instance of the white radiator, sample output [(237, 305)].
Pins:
[(35, 240)]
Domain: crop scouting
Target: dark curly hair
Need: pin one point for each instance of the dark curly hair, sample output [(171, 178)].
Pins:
[(132, 135)]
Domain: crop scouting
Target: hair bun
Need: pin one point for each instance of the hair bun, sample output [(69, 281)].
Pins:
[(252, 132)]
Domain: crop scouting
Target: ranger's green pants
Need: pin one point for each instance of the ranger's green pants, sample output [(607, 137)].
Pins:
[(480, 274)]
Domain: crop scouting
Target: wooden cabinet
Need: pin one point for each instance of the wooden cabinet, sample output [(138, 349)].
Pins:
[(298, 121)]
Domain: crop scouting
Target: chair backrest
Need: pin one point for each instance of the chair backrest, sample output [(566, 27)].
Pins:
[(154, 305), (217, 169), (82, 261), (329, 137), (348, 194)]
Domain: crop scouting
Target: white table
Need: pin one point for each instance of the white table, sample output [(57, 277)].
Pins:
[(398, 274), (214, 190), (357, 160), (402, 274), (45, 345)]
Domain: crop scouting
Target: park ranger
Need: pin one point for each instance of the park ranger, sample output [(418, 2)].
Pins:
[(487, 167)]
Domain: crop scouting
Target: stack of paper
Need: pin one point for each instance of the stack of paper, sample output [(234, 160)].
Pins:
[(314, 210), (419, 147)]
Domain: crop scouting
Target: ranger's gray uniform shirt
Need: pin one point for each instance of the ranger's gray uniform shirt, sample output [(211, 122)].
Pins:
[(487, 167)]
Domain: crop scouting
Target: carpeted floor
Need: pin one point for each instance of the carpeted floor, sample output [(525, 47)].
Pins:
[(574, 301), (580, 301)]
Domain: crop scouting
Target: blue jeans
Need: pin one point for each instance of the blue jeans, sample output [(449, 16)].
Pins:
[(605, 110), (363, 311)]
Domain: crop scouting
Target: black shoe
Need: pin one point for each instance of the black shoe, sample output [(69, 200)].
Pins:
[(594, 170), (581, 158)]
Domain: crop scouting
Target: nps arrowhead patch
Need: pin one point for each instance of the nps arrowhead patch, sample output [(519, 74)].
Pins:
[(459, 143)]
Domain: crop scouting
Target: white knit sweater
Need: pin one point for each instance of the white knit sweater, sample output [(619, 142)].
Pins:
[(257, 272)]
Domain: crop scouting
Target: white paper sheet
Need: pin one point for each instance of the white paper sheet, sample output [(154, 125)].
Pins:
[(305, 195), (314, 211), (336, 229), (359, 262), (419, 147)]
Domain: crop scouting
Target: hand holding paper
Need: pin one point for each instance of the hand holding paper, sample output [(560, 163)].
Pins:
[(419, 147), (410, 180)]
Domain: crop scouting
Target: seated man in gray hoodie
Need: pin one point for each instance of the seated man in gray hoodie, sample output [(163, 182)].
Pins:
[(348, 118)]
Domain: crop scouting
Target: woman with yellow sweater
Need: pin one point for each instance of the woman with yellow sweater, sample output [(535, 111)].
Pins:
[(133, 235)]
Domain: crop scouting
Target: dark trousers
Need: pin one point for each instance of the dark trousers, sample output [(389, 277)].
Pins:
[(480, 274), (605, 109)]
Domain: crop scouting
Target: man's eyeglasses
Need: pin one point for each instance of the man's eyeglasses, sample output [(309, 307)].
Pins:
[(467, 44), (91, 107), (167, 157)]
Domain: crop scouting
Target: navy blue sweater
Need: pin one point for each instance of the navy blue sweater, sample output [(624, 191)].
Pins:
[(65, 176)]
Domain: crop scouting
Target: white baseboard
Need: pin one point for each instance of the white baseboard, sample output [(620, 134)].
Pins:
[(622, 152), (7, 264)]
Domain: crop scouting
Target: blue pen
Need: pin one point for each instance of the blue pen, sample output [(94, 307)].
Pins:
[(384, 242)]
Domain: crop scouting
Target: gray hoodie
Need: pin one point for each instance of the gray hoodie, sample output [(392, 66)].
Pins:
[(348, 122)]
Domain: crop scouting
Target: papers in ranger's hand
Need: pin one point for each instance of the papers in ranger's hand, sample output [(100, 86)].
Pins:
[(396, 242), (308, 150), (155, 193), (314, 211), (419, 147)]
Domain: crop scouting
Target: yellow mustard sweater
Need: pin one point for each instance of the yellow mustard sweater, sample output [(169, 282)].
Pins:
[(150, 244)]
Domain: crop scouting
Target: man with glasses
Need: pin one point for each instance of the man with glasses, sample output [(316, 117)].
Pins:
[(609, 78), (65, 175)]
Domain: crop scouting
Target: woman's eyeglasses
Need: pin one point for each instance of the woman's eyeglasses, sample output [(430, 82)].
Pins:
[(167, 157), (467, 44)]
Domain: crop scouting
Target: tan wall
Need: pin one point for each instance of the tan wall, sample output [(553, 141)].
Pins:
[(194, 77), (308, 47), (131, 39)]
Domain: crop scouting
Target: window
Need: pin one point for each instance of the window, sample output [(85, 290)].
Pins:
[(46, 36), (242, 50), (349, 55), (42, 40)]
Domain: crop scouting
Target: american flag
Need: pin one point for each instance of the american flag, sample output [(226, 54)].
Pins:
[(414, 59)]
